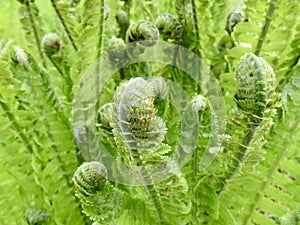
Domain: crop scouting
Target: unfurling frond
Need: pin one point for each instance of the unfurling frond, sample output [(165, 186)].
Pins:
[(90, 178), (100, 200), (51, 44), (168, 26), (143, 32), (256, 84), (36, 216)]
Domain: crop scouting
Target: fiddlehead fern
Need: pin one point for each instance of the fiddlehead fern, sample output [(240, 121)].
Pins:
[(36, 216), (105, 116), (257, 103), (20, 57), (117, 50), (143, 32), (90, 178), (256, 83), (237, 15), (123, 22), (256, 96), (135, 125), (52, 47), (51, 44), (100, 200), (139, 134), (169, 26)]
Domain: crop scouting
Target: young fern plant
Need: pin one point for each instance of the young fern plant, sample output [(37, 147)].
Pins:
[(137, 136), (257, 105)]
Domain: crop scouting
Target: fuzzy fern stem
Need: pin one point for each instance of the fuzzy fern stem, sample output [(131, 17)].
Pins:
[(243, 153), (53, 3), (101, 29), (266, 26), (195, 27), (35, 33), (66, 77), (149, 189)]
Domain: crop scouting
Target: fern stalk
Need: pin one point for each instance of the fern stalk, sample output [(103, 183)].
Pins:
[(266, 26), (242, 155), (35, 33), (63, 23), (195, 27), (101, 29), (150, 189), (195, 168), (67, 79)]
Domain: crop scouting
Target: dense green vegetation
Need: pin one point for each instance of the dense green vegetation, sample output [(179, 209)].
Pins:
[(201, 106)]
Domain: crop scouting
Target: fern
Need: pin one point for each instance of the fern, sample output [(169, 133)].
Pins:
[(155, 135), (90, 44)]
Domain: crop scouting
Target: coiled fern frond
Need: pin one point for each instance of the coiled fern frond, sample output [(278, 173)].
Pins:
[(144, 32), (168, 26), (256, 84), (37, 216), (136, 128), (100, 200)]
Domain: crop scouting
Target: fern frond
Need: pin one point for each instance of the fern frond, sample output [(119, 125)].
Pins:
[(100, 200), (283, 55), (245, 35), (90, 37), (211, 17), (51, 133)]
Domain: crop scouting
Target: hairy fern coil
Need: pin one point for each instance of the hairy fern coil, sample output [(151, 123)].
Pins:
[(100, 200), (236, 16), (122, 19), (144, 32), (20, 57), (168, 26), (135, 123), (105, 116), (117, 49), (51, 44), (90, 178), (256, 83), (36, 216)]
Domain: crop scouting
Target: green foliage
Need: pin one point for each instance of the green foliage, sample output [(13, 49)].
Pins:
[(251, 47)]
